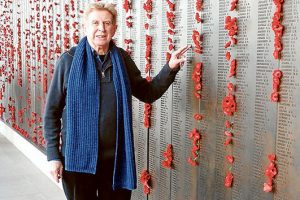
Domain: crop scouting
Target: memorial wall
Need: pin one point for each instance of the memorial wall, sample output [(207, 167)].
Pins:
[(228, 127)]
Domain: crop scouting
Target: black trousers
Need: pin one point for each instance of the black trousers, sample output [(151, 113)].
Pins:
[(83, 186)]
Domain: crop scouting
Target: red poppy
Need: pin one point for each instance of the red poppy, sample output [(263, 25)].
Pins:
[(126, 5), (146, 189), (230, 25), (171, 5), (171, 47), (233, 40), (171, 32), (277, 73), (275, 87), (198, 66), (279, 7), (195, 136), (229, 105), (227, 55), (192, 162), (230, 87), (148, 6), (196, 77), (198, 86), (230, 158), (148, 78), (168, 56), (198, 117), (196, 146), (146, 122), (197, 17), (170, 15), (227, 124), (228, 179), (275, 97), (2, 110), (145, 177), (227, 44), (227, 141), (272, 157), (268, 187), (199, 5), (197, 95), (129, 24), (168, 155), (166, 164), (197, 39), (228, 133), (271, 172), (233, 5), (194, 133)]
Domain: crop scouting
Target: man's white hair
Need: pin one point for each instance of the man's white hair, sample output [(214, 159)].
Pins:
[(101, 6)]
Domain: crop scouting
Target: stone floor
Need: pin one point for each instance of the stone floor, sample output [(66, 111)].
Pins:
[(22, 180)]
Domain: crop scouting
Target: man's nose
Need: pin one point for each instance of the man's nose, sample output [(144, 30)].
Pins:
[(101, 27)]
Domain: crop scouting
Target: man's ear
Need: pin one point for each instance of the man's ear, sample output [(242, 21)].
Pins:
[(116, 28), (84, 25), (84, 28)]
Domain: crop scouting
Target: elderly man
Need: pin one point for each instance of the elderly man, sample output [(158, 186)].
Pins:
[(89, 105)]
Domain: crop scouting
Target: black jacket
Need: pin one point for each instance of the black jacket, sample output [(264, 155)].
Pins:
[(55, 112)]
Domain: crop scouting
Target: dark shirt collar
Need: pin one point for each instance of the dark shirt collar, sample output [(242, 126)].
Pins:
[(106, 62), (111, 45)]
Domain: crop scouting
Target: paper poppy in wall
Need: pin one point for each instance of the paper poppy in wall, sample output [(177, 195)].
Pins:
[(168, 156), (2, 110), (228, 124), (232, 69), (230, 159), (145, 179), (147, 114), (278, 28), (228, 55), (229, 105), (196, 37), (195, 136), (126, 5), (198, 117), (171, 5), (276, 75), (199, 5), (231, 87), (233, 4), (228, 179), (148, 6), (270, 173), (198, 18), (227, 44)]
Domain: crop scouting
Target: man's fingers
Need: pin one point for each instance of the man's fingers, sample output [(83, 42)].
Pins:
[(56, 169), (178, 51), (185, 49), (178, 57), (55, 176), (182, 50), (61, 171), (181, 61), (56, 179)]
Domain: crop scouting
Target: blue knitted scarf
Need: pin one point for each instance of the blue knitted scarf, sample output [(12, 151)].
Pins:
[(83, 106)]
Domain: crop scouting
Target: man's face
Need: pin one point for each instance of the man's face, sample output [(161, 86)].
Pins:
[(100, 28)]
